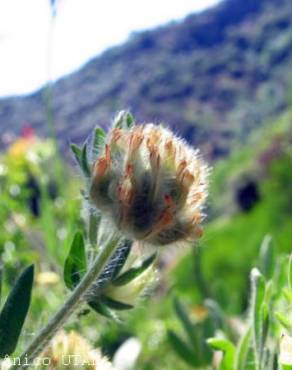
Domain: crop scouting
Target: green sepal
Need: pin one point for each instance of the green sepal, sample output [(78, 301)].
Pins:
[(81, 158), (14, 312), (98, 141), (77, 152), (125, 247), (134, 272), (182, 349), (115, 305), (84, 161), (76, 262), (130, 121), (124, 120), (103, 310)]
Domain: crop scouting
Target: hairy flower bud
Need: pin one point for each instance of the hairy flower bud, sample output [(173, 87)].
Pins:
[(131, 292), (285, 357), (151, 184)]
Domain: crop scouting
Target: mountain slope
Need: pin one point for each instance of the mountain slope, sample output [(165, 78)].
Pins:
[(213, 77)]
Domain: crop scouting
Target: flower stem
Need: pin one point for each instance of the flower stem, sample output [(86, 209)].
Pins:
[(59, 319)]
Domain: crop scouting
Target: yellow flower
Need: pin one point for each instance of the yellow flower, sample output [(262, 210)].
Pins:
[(20, 147), (151, 185)]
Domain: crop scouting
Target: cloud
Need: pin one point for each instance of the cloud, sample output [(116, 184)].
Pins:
[(82, 29)]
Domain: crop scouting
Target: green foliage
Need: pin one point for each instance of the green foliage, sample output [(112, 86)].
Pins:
[(182, 349), (76, 263), (14, 312), (257, 349), (243, 359), (226, 256), (194, 350)]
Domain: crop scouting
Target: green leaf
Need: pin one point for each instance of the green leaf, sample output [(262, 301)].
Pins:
[(242, 356), (134, 272), (76, 262), (98, 141), (182, 349), (224, 345), (267, 257), (14, 312), (115, 305)]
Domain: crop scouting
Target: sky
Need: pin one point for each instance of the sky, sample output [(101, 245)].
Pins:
[(34, 49)]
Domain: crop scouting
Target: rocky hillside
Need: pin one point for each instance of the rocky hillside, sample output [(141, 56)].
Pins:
[(214, 77)]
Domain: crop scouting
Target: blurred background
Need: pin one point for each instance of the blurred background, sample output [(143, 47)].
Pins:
[(217, 72)]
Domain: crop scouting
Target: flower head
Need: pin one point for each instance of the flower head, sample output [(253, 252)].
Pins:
[(71, 351), (151, 184)]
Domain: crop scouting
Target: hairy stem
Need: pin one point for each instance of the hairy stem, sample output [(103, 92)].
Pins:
[(72, 303)]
